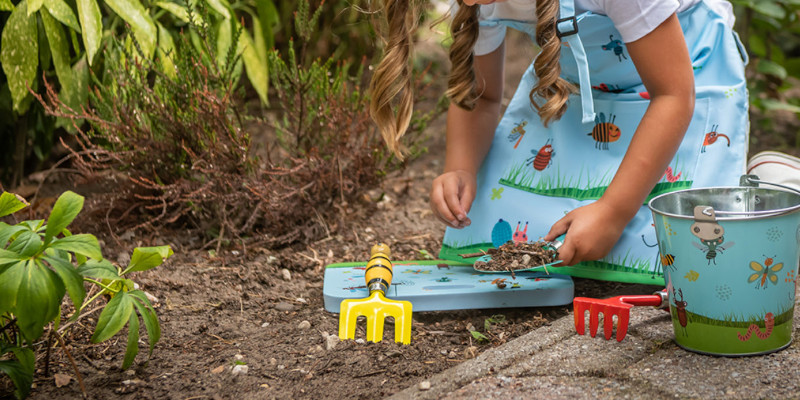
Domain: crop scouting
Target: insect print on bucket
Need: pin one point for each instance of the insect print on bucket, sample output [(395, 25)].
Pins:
[(663, 262), (711, 138), (517, 133), (616, 46), (604, 132), (764, 273), (543, 158), (710, 233), (680, 308)]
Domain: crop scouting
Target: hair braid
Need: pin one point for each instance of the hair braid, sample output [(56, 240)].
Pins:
[(391, 83), (461, 86), (550, 86)]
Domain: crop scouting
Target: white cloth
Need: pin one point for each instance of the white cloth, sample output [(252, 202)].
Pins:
[(632, 18)]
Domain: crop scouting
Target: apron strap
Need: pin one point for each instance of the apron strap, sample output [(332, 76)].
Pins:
[(567, 30)]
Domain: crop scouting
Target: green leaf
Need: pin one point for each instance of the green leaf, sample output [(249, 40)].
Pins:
[(144, 258), (224, 38), (133, 341), (769, 9), (101, 269), (61, 11), (67, 207), (7, 231), (114, 316), (20, 371), (268, 18), (84, 244), (220, 6), (38, 299), (141, 24), (9, 286), (8, 257), (59, 48), (255, 66), (166, 51), (34, 6), (26, 244), (771, 68), (19, 54), (71, 279), (91, 26), (771, 104), (175, 9), (6, 5), (149, 317), (11, 203)]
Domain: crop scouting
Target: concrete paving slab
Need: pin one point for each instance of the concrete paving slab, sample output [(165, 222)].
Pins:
[(553, 388)]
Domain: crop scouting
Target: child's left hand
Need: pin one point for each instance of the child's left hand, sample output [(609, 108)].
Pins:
[(592, 231)]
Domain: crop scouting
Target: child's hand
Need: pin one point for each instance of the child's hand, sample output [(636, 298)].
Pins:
[(592, 231), (451, 197)]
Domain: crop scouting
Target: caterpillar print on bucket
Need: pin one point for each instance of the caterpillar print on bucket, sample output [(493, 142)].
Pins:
[(769, 322)]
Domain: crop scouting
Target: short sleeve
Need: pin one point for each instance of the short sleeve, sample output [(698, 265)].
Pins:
[(636, 18), (489, 39)]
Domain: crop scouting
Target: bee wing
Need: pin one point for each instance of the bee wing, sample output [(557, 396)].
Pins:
[(699, 246), (755, 266), (777, 267), (753, 277), (727, 245)]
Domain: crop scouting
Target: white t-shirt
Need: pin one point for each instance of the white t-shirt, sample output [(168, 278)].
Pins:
[(632, 18)]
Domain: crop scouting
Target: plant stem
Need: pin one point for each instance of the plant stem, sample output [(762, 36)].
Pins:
[(74, 366)]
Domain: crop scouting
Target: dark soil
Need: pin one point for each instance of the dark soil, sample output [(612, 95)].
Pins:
[(264, 309), (513, 256)]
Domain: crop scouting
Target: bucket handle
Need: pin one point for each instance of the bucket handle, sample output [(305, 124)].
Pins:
[(754, 181)]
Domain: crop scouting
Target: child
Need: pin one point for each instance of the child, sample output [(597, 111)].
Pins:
[(625, 101)]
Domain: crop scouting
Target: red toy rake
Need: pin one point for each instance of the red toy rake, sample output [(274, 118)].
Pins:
[(619, 306)]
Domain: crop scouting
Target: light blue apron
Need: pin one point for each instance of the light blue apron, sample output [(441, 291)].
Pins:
[(534, 175)]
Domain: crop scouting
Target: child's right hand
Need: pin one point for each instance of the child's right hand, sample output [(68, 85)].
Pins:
[(451, 197)]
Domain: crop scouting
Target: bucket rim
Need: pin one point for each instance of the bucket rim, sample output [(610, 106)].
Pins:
[(720, 213)]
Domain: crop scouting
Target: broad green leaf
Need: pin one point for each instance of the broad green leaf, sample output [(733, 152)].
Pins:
[(771, 104), (71, 279), (220, 6), (38, 299), (268, 18), (770, 9), (771, 68), (20, 371), (59, 48), (255, 66), (149, 317), (7, 232), (26, 244), (258, 40), (101, 269), (67, 207), (19, 54), (141, 24), (7, 258), (114, 316), (91, 26), (84, 244), (224, 38), (133, 341), (34, 225), (34, 6), (6, 5), (80, 93), (166, 51), (144, 258), (61, 11), (177, 10), (9, 286), (11, 203)]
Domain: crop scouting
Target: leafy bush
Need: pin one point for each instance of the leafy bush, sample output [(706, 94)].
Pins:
[(41, 262)]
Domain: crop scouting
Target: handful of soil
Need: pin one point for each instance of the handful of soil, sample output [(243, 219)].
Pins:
[(515, 256)]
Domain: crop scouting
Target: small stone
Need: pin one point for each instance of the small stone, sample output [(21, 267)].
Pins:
[(331, 341), (425, 385), (304, 325), (271, 259), (360, 341), (238, 357), (218, 369), (281, 366), (153, 299), (287, 276), (526, 259), (265, 324), (62, 379), (239, 369), (317, 348), (130, 372), (301, 300), (284, 306)]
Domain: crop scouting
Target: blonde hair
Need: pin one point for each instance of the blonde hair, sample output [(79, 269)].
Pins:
[(391, 84)]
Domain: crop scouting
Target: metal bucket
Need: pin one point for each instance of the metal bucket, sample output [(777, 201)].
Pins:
[(730, 258)]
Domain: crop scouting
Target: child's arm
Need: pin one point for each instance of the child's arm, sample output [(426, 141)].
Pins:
[(469, 136), (662, 60)]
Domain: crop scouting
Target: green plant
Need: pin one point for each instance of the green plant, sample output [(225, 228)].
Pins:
[(41, 262)]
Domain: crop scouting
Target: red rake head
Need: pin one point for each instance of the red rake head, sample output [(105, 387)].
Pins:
[(619, 306)]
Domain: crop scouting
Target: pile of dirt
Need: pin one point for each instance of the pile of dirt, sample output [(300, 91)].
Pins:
[(513, 256)]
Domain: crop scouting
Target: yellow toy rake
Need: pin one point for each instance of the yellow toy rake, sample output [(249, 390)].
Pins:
[(376, 307)]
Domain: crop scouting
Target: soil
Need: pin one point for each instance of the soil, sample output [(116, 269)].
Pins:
[(263, 309)]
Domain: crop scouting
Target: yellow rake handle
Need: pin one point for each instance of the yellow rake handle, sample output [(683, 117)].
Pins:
[(379, 269)]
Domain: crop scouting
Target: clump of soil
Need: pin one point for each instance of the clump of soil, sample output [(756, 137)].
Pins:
[(512, 256)]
